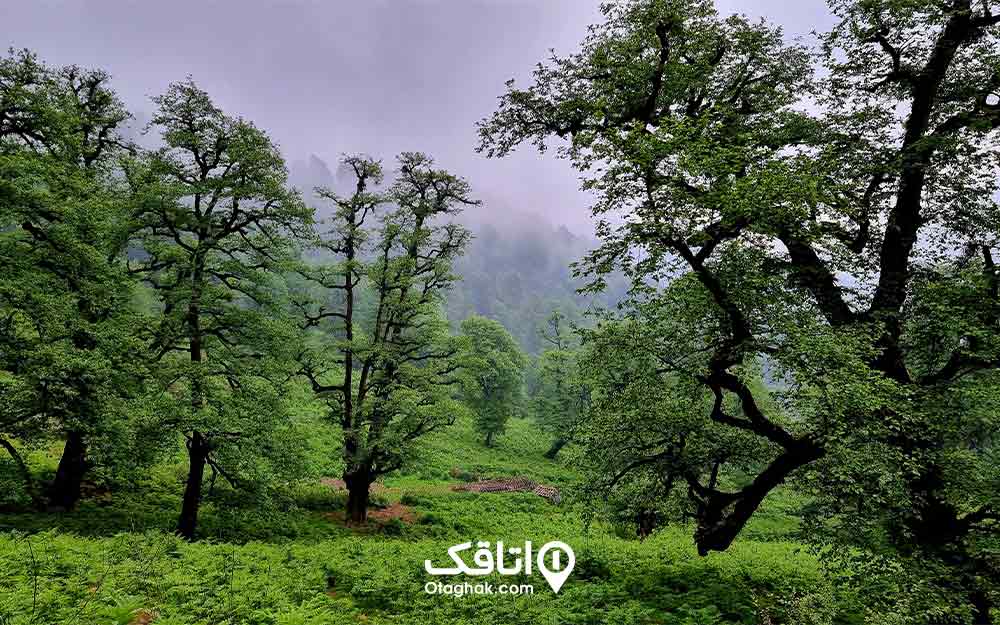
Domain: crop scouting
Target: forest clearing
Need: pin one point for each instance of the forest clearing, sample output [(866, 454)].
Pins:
[(745, 368)]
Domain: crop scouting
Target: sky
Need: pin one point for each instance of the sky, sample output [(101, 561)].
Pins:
[(333, 77)]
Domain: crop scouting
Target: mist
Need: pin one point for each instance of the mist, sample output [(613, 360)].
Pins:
[(327, 78)]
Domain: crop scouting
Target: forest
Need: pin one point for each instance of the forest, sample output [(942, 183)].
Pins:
[(240, 389)]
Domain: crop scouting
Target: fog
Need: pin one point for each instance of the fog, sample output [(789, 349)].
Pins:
[(326, 78)]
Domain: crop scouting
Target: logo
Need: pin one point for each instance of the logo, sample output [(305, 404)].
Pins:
[(555, 561)]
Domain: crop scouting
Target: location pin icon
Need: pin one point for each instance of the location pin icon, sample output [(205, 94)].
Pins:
[(556, 576)]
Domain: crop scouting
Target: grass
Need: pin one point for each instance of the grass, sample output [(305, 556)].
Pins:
[(293, 562), (372, 579), (519, 451)]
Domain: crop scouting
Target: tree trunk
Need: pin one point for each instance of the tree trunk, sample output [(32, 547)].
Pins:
[(197, 456), (722, 515), (645, 523), (65, 490), (197, 446), (981, 606), (557, 445), (358, 484), (489, 438)]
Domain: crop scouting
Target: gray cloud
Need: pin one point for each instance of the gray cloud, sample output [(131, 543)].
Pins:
[(333, 77)]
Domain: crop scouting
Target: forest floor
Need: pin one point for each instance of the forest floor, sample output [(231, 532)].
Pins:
[(295, 561)]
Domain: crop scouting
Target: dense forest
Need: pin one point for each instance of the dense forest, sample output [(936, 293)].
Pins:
[(234, 390)]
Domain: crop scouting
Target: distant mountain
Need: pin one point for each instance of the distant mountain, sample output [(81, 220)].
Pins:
[(308, 174)]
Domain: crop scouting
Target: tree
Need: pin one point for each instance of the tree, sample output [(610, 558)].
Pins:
[(561, 395), (380, 355), (638, 401), (67, 331), (822, 216), (215, 219), (496, 375)]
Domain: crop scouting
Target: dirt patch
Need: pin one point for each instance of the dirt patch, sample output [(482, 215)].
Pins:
[(512, 485), (338, 484), (406, 514), (378, 517), (143, 617)]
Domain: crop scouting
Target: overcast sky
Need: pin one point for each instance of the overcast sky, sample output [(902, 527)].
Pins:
[(327, 77)]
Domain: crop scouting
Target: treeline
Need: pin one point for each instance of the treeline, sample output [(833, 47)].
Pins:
[(825, 213), (177, 293)]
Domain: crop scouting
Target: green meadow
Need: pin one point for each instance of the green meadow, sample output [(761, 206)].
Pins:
[(116, 560)]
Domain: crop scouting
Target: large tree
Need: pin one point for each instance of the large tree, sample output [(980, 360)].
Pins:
[(828, 219), (381, 356), (215, 217), (494, 375), (66, 335)]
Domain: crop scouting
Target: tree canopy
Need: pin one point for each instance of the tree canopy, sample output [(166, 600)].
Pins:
[(215, 218), (383, 359), (495, 374), (810, 212), (70, 361)]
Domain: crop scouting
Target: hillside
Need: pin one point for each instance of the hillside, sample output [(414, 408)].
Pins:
[(624, 312), (115, 559)]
